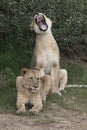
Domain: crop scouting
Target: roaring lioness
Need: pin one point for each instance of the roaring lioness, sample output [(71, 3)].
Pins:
[(46, 54), (33, 89)]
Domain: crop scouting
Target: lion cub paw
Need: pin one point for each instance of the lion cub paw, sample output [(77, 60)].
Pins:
[(20, 111), (33, 112)]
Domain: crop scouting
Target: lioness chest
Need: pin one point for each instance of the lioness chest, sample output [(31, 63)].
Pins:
[(47, 55)]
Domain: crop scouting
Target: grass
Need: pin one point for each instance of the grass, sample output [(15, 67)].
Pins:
[(7, 100), (77, 73), (75, 99), (45, 120), (15, 59)]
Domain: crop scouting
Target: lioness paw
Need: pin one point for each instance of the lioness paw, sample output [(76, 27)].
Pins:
[(60, 94), (20, 111), (57, 92)]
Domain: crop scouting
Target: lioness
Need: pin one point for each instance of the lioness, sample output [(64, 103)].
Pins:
[(31, 88), (46, 52)]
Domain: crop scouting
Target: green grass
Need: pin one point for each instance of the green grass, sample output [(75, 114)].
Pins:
[(75, 99), (7, 100), (15, 59), (45, 120), (77, 73)]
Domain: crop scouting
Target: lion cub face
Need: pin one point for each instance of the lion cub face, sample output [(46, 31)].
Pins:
[(31, 79), (41, 23)]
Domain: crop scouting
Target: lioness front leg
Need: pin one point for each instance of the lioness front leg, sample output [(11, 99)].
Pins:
[(63, 79), (55, 78), (47, 84), (36, 108)]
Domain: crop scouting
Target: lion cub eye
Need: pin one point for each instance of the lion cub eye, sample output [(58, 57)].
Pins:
[(31, 78), (37, 79)]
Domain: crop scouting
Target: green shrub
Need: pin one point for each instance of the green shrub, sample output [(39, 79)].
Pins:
[(11, 77), (69, 23)]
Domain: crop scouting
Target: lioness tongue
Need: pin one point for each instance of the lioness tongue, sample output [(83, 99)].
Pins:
[(43, 26)]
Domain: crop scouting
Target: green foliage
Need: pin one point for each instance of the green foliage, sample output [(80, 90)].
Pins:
[(11, 77), (68, 16), (15, 59), (7, 100), (12, 62), (77, 74)]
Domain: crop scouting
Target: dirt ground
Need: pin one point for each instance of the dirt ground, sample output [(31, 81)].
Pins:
[(70, 121)]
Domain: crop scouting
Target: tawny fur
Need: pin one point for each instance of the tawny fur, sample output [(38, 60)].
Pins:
[(33, 89), (46, 54), (63, 79)]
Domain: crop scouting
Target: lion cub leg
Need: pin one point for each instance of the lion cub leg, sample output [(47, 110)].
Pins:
[(21, 100), (36, 108), (63, 79), (20, 107), (20, 104)]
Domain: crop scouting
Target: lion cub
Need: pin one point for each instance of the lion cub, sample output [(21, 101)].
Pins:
[(46, 54), (31, 88)]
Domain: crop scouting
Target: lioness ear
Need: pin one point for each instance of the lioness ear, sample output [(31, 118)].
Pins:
[(24, 70)]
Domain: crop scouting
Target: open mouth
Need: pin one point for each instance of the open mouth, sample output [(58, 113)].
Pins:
[(33, 89), (41, 22)]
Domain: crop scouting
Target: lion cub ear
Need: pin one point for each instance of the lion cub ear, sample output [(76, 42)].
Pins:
[(24, 71)]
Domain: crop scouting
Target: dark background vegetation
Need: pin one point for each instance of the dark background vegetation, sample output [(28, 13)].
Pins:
[(69, 23)]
